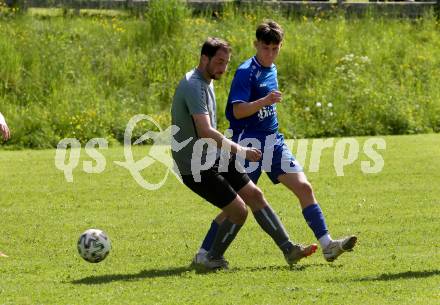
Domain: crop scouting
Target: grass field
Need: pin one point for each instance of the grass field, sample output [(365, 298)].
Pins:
[(395, 213)]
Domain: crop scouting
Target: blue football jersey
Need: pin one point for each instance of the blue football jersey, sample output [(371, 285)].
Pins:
[(251, 82)]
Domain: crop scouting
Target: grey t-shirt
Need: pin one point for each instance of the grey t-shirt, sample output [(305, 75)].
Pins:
[(194, 95)]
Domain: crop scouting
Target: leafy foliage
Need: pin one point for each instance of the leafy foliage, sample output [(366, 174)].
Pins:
[(85, 77)]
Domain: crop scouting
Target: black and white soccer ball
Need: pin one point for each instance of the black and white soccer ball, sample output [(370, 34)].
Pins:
[(94, 245)]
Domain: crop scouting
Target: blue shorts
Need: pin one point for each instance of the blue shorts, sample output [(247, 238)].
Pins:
[(277, 158)]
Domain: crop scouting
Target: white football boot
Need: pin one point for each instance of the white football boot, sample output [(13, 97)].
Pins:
[(338, 246)]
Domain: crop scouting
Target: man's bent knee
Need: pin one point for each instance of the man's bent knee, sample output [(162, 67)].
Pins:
[(306, 188), (255, 198)]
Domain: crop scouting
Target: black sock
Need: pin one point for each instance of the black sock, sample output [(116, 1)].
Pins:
[(272, 225), (225, 235)]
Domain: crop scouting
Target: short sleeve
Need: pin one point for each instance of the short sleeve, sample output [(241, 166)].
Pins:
[(195, 99), (240, 87), (2, 119)]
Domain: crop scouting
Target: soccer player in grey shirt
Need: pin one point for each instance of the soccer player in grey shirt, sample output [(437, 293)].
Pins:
[(222, 183)]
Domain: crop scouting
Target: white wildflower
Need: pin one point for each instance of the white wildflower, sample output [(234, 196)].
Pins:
[(365, 59), (348, 57)]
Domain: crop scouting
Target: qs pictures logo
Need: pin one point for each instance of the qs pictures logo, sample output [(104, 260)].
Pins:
[(346, 151)]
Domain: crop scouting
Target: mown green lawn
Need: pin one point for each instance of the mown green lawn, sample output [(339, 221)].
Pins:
[(395, 213)]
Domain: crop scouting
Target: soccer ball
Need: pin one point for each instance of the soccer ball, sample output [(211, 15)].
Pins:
[(94, 245)]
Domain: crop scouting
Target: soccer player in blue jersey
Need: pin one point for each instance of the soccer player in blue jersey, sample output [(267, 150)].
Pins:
[(251, 111)]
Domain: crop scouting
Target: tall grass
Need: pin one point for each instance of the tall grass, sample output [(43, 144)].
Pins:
[(166, 18), (85, 77)]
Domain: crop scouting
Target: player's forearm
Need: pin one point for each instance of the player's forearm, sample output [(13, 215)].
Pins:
[(221, 140), (244, 110)]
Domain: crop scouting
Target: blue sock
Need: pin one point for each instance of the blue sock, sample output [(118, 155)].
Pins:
[(209, 238), (315, 219)]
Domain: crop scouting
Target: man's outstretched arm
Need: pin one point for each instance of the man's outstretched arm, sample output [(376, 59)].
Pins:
[(205, 130), (4, 130)]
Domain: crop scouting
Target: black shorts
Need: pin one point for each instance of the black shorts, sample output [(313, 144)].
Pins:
[(218, 188)]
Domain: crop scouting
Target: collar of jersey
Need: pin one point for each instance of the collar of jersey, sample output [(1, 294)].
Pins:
[(255, 60), (202, 77)]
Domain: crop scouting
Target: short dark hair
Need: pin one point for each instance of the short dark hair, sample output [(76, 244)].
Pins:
[(269, 32), (212, 45)]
